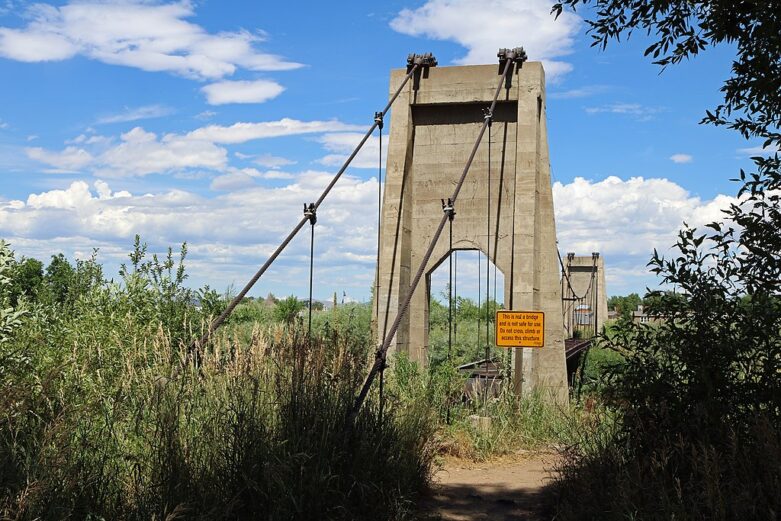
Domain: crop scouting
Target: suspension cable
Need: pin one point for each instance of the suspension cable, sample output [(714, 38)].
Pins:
[(507, 59), (415, 63)]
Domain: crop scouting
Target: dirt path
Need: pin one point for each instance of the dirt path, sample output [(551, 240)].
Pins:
[(506, 489)]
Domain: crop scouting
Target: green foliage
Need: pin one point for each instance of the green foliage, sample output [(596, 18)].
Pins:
[(625, 305), (469, 333), (10, 313), (26, 280), (287, 310), (700, 393), (529, 422)]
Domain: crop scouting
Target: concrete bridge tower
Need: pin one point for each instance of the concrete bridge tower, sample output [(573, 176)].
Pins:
[(433, 126)]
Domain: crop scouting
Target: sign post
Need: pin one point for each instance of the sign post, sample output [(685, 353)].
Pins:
[(520, 328)]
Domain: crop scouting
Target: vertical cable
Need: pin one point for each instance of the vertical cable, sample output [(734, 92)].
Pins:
[(451, 213), (311, 213), (479, 296), (489, 119), (455, 295), (378, 119)]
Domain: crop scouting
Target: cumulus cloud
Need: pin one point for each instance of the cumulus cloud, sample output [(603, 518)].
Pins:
[(258, 91), (142, 153), (681, 158), (485, 26), (71, 159), (228, 235), (626, 219), (342, 144), (231, 233), (139, 34), (139, 152)]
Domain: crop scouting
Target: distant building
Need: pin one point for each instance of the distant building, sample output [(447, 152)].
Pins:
[(639, 316)]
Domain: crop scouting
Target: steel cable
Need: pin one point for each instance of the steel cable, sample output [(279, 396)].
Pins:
[(217, 322)]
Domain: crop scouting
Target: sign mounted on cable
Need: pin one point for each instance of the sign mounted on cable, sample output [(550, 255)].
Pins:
[(520, 328)]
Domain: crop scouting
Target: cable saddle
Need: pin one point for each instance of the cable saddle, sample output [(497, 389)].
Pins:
[(310, 212), (448, 208)]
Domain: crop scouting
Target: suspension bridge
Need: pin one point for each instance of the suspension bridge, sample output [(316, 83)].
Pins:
[(468, 159)]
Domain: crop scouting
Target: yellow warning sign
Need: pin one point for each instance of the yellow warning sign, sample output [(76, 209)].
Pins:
[(520, 328)]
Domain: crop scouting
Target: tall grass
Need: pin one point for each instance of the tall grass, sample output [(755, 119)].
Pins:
[(530, 422), (96, 423)]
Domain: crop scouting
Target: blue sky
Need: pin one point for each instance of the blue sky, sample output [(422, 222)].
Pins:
[(212, 122)]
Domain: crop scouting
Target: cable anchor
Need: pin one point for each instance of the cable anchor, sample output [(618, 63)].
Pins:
[(378, 118), (448, 208), (423, 62), (516, 57), (488, 116), (310, 212)]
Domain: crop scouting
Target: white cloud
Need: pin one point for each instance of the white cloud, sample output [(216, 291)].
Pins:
[(343, 143), (258, 91), (231, 233), (759, 150), (71, 159), (135, 114), (144, 35), (3, 124), (580, 92), (625, 220), (270, 161), (243, 132), (142, 153), (139, 152), (628, 217), (228, 235), (485, 26), (681, 158), (232, 181), (636, 110), (206, 114)]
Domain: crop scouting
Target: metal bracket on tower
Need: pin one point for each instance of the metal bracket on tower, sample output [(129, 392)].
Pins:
[(488, 116), (517, 57), (448, 208), (310, 212), (424, 63)]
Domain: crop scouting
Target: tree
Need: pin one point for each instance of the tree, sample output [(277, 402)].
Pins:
[(26, 279), (287, 309), (705, 381), (625, 305), (59, 275)]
